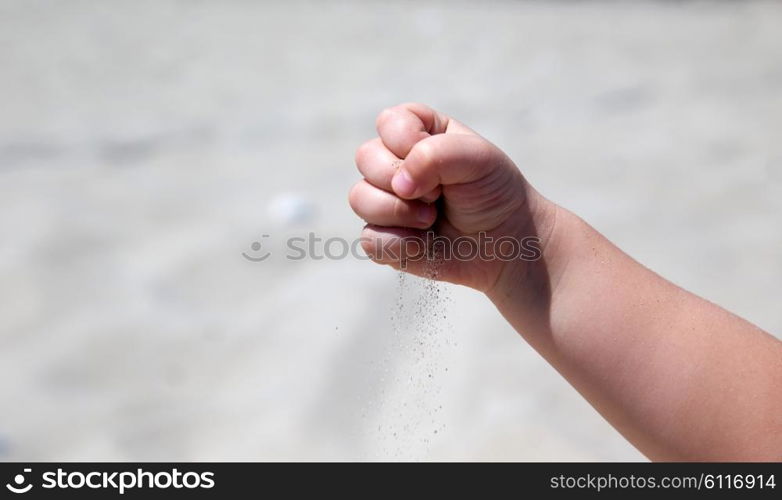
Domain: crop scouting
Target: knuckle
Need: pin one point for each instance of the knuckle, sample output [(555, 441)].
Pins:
[(354, 195), (367, 242), (426, 153), (384, 117), (363, 155)]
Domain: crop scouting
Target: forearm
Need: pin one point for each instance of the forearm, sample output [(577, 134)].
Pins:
[(680, 377)]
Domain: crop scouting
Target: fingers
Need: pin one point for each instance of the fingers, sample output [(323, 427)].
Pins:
[(378, 165), (382, 208), (445, 159), (403, 249), (401, 127), (392, 245)]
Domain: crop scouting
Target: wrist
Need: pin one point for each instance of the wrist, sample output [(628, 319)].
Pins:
[(531, 283)]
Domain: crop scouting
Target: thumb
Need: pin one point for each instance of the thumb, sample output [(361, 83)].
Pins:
[(403, 126), (446, 159)]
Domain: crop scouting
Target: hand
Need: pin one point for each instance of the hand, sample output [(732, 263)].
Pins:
[(427, 171)]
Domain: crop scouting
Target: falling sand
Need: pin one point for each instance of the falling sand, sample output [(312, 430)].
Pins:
[(409, 405)]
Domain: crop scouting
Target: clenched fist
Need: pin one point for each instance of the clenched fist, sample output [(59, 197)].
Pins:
[(430, 181)]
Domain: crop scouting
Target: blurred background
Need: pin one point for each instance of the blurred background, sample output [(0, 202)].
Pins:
[(146, 145)]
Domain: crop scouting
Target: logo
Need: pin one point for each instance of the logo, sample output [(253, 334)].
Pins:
[(256, 246), (19, 480)]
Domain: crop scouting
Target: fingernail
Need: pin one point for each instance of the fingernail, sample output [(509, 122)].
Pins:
[(402, 184), (425, 214)]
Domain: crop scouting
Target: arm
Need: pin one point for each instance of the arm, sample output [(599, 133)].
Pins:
[(679, 377)]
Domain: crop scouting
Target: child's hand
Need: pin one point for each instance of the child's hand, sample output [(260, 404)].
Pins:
[(681, 378), (425, 171)]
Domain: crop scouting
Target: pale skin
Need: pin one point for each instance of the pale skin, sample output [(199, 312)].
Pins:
[(679, 377)]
